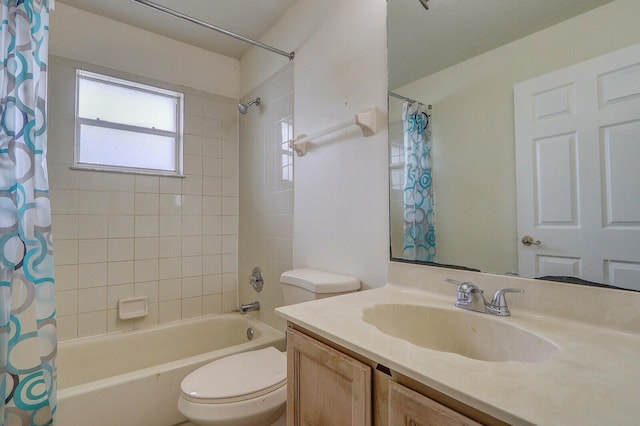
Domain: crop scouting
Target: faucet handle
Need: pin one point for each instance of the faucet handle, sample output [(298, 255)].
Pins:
[(499, 303), (465, 287)]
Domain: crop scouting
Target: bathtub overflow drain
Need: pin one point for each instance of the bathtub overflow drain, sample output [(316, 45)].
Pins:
[(250, 333)]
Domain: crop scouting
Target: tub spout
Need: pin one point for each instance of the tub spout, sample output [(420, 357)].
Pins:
[(248, 307)]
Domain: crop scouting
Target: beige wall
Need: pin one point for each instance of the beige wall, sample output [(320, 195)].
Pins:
[(266, 195), (90, 38), (341, 192), (473, 130)]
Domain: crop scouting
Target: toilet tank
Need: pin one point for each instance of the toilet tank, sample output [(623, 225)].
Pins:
[(302, 285)]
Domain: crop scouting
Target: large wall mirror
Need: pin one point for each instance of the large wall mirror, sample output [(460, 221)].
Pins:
[(463, 58)]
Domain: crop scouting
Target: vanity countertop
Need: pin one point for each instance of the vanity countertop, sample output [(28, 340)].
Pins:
[(593, 380)]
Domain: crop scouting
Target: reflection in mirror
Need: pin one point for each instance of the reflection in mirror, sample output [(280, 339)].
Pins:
[(464, 58)]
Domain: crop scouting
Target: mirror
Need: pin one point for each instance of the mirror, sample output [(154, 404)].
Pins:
[(463, 58)]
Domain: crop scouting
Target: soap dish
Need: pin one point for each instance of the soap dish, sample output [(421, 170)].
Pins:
[(133, 307)]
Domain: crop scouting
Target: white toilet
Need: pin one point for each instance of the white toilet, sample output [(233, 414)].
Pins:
[(250, 388)]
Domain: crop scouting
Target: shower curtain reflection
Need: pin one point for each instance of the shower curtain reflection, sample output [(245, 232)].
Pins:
[(419, 242)]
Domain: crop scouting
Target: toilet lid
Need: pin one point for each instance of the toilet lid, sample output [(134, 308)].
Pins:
[(237, 377)]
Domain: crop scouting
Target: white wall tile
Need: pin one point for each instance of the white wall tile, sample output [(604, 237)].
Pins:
[(170, 185), (146, 226), (92, 275), (65, 202), (150, 184), (212, 284), (170, 289), (114, 323), (67, 327), (121, 203), (192, 266), (146, 248), (92, 323), (149, 289), (65, 252), (66, 277), (170, 310), (169, 268), (121, 182), (120, 273), (92, 299), (93, 181), (192, 245), (191, 307), (146, 204), (170, 226), (169, 247), (211, 225), (146, 270), (93, 202), (191, 225), (229, 301), (212, 186), (67, 302), (92, 251), (211, 147), (121, 226), (212, 304), (64, 226), (191, 287), (170, 204), (120, 249), (117, 292)]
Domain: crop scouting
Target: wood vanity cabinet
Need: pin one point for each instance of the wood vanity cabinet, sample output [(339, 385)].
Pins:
[(330, 386)]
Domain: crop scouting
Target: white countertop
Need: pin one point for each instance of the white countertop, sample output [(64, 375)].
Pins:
[(593, 380)]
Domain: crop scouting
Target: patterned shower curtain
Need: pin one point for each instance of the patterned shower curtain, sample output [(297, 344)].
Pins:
[(27, 306), (419, 203)]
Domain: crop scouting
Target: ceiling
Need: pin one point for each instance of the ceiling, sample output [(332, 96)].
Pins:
[(250, 18), (422, 42), (446, 34)]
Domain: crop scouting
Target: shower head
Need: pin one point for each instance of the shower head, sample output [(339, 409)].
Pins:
[(243, 108), (424, 3)]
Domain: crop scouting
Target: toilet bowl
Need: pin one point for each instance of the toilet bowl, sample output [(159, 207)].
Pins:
[(249, 388), (245, 389)]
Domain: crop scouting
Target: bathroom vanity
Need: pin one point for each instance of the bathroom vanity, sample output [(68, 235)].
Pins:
[(375, 357)]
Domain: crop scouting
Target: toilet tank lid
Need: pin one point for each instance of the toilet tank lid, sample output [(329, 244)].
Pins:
[(320, 281)]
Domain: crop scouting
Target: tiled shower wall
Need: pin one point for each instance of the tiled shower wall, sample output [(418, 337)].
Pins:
[(117, 235), (266, 198)]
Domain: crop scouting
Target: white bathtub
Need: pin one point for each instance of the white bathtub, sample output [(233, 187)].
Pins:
[(133, 378)]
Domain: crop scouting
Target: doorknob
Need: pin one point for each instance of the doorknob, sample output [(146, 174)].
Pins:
[(529, 241)]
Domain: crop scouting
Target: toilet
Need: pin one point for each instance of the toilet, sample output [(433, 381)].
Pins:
[(250, 388)]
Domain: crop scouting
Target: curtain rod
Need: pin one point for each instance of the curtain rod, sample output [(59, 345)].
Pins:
[(404, 98), (177, 14)]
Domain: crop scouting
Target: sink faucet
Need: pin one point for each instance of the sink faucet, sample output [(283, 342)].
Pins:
[(247, 307), (470, 297)]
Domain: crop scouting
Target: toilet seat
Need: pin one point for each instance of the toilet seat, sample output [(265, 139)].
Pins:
[(238, 377)]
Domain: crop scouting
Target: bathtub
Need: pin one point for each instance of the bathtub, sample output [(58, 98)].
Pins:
[(133, 378)]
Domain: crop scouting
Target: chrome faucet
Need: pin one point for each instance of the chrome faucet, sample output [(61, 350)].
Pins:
[(471, 298), (248, 307)]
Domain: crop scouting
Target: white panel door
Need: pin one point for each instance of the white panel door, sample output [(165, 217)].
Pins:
[(578, 171)]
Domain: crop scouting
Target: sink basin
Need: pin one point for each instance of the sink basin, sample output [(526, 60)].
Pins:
[(470, 334)]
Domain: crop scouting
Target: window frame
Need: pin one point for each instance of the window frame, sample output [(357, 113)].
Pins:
[(178, 135)]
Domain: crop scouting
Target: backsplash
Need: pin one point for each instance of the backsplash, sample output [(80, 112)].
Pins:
[(116, 235)]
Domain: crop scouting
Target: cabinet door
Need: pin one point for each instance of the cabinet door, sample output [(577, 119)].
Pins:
[(324, 386), (409, 408)]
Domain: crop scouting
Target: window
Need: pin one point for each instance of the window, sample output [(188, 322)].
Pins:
[(127, 126)]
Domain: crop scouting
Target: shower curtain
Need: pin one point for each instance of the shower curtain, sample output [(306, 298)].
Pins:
[(27, 306), (419, 242)]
